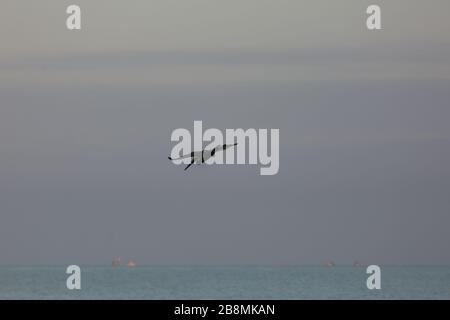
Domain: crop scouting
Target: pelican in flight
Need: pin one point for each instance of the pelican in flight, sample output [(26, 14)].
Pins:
[(200, 157)]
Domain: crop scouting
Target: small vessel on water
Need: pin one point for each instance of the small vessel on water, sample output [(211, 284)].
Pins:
[(357, 264), (117, 262), (330, 264)]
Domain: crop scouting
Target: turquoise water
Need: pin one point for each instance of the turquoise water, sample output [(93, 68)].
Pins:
[(225, 283)]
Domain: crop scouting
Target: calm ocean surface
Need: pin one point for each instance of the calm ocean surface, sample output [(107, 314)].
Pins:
[(225, 283)]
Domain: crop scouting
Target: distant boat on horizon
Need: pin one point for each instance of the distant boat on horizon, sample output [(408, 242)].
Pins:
[(116, 262), (330, 264), (131, 264)]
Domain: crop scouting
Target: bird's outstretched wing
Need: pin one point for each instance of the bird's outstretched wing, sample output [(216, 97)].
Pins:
[(223, 147)]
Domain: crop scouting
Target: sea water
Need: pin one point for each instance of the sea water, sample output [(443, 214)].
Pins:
[(251, 282)]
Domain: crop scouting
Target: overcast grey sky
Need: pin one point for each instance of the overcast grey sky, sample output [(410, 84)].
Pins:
[(86, 118)]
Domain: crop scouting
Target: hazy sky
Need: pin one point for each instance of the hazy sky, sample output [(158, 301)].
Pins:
[(86, 118)]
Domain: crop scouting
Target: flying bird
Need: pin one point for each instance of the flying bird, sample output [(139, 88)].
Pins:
[(200, 157)]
